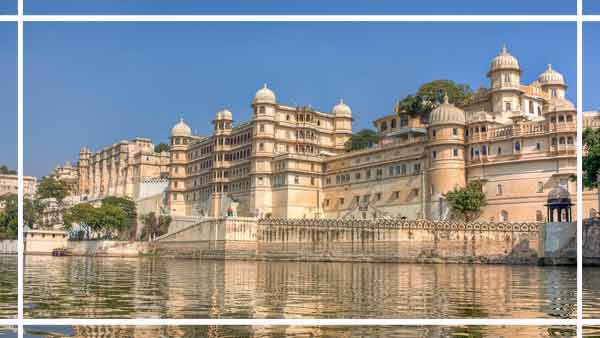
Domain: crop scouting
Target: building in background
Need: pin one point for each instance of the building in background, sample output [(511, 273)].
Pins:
[(518, 140)]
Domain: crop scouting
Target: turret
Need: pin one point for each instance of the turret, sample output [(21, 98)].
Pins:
[(553, 83), (181, 135), (505, 84), (446, 152)]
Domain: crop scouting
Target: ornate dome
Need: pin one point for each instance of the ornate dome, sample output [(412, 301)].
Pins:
[(560, 104), (559, 194), (181, 129), (446, 113), (341, 109), (264, 95), (224, 115), (551, 77), (504, 60)]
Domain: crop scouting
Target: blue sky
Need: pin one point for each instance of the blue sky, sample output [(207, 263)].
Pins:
[(8, 7), (301, 6), (591, 6), (92, 84), (591, 66), (8, 94)]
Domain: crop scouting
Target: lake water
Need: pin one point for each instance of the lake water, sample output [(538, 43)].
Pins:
[(8, 332), (8, 286), (591, 293), (297, 332), (94, 287)]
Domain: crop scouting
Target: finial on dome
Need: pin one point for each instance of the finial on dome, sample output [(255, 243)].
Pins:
[(504, 50), (341, 101), (549, 66), (265, 85), (446, 100)]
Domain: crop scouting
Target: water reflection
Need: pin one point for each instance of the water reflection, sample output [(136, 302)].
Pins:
[(77, 287), (591, 292), (591, 331), (8, 332), (8, 286), (296, 332)]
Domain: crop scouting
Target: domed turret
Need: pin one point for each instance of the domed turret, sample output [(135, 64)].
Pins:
[(447, 113), (553, 83), (558, 104), (181, 129), (342, 110), (264, 95), (224, 115), (504, 61), (551, 77)]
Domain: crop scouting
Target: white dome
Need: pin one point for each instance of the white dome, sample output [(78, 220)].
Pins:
[(341, 109), (504, 60), (224, 115), (181, 129), (556, 104), (264, 95), (447, 113), (551, 77)]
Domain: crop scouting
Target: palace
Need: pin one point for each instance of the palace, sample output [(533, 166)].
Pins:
[(291, 162)]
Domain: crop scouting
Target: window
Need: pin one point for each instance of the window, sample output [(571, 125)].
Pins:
[(434, 154), (507, 106), (507, 78), (261, 146), (570, 140), (540, 187), (312, 181), (296, 179), (261, 110), (455, 152), (517, 146), (553, 92), (396, 195), (539, 216), (531, 111), (341, 201), (326, 202), (499, 190), (357, 176), (503, 216), (383, 126), (378, 196), (404, 169), (393, 124), (454, 131), (538, 146), (484, 150), (403, 121), (433, 133), (391, 171), (262, 127)]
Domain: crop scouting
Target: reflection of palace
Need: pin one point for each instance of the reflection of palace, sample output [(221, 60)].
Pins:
[(290, 162), (591, 119)]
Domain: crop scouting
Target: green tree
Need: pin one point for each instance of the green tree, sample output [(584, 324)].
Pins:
[(467, 201), (363, 139), (5, 171), (84, 215), (128, 206), (431, 94), (9, 217), (591, 161), (161, 147), (154, 226), (50, 187)]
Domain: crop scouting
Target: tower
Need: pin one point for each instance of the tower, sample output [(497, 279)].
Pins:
[(553, 83), (505, 84), (222, 125), (83, 166), (343, 123), (180, 138), (446, 156)]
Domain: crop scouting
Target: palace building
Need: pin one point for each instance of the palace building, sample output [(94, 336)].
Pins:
[(291, 162)]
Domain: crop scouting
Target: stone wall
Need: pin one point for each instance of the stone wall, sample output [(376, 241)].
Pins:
[(108, 248), (355, 240), (8, 247), (591, 241)]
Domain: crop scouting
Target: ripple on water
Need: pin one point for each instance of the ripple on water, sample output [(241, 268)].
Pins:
[(75, 287), (299, 332), (8, 286), (591, 293)]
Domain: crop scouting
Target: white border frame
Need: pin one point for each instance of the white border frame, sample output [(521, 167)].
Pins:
[(579, 18)]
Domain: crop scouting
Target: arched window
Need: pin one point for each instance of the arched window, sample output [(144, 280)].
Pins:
[(531, 111), (539, 216), (504, 216), (517, 146), (383, 126), (394, 123)]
